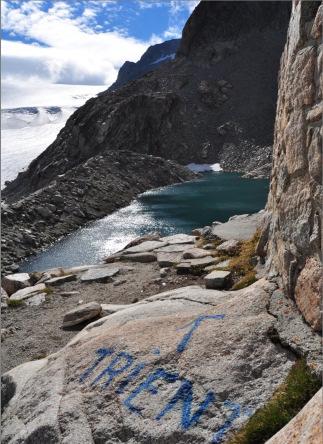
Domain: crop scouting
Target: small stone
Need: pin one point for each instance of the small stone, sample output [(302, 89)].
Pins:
[(66, 294), (15, 282), (80, 302), (36, 300), (230, 247), (164, 272), (4, 295), (208, 247), (217, 279), (99, 274), (82, 313), (61, 280), (119, 282)]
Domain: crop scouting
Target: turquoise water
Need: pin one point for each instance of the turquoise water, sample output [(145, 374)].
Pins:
[(173, 209)]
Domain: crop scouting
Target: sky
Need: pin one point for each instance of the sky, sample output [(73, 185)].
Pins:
[(48, 44)]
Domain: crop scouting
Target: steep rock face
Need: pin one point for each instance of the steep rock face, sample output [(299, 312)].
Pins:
[(295, 196), (152, 59), (219, 92)]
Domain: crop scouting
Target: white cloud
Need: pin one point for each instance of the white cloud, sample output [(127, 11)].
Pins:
[(66, 46), (173, 32), (176, 7), (70, 51)]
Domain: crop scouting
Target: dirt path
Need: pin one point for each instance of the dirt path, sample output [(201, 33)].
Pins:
[(37, 330)]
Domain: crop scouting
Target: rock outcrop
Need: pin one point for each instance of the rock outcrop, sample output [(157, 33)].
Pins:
[(152, 59), (188, 365), (306, 427), (293, 228), (219, 92)]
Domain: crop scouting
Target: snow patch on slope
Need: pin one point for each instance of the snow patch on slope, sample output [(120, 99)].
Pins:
[(162, 59), (203, 167)]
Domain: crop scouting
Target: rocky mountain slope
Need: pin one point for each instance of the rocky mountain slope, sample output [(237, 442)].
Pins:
[(219, 94), (152, 59), (293, 231)]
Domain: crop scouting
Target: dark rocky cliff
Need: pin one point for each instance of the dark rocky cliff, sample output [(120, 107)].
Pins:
[(152, 59), (218, 96), (294, 206)]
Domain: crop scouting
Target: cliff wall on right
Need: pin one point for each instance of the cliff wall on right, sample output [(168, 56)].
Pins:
[(293, 231)]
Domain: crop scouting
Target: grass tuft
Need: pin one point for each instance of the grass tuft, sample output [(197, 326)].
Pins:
[(48, 290), (245, 281), (300, 386), (14, 303), (242, 265)]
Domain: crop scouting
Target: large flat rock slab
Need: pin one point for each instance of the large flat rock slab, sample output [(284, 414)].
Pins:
[(240, 228), (168, 259), (27, 292), (146, 257), (179, 239), (185, 366), (145, 247), (174, 248), (103, 274)]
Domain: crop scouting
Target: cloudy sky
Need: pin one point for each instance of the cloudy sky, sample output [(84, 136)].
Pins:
[(58, 45)]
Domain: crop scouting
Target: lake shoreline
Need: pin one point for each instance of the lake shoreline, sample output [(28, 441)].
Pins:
[(175, 208), (88, 192)]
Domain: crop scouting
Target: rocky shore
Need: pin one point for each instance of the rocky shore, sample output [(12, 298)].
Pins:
[(87, 192), (162, 306)]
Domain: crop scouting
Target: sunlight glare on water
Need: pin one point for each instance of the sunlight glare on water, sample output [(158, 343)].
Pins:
[(169, 210)]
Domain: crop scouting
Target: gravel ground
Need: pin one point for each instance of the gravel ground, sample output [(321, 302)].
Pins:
[(37, 330)]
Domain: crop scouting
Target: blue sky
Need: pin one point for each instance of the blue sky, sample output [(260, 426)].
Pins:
[(81, 42), (137, 18)]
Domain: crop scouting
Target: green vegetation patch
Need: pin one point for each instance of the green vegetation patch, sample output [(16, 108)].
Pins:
[(242, 265), (245, 281), (300, 386), (14, 303)]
